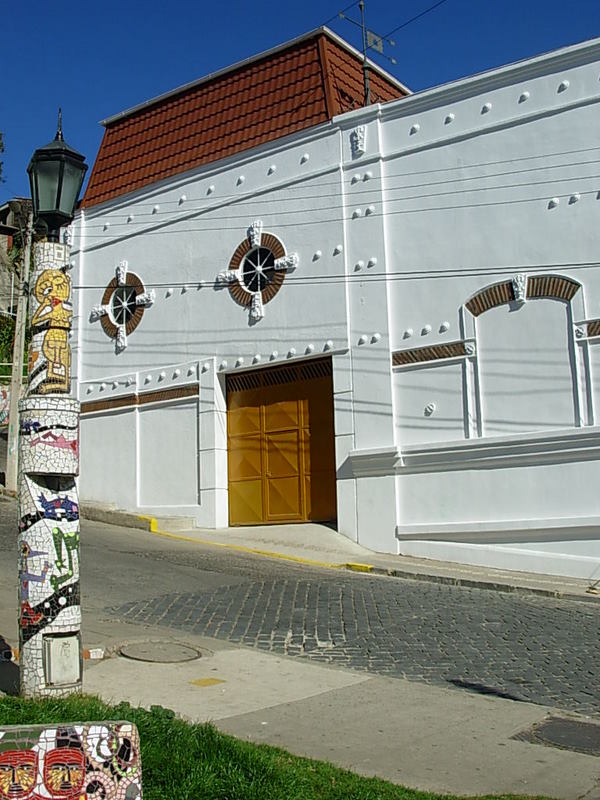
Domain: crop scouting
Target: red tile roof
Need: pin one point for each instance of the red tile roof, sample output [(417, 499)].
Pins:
[(301, 84)]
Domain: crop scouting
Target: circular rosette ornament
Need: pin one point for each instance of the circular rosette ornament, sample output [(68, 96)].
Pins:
[(122, 307), (257, 270)]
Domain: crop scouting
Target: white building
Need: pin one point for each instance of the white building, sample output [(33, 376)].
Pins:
[(388, 316)]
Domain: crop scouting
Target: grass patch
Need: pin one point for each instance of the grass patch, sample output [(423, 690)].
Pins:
[(182, 761)]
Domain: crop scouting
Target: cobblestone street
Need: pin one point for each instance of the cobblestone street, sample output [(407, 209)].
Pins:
[(518, 646)]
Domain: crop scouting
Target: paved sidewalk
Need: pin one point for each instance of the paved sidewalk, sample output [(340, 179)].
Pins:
[(422, 736), (446, 740), (425, 737)]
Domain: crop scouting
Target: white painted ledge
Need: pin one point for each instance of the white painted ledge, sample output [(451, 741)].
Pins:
[(503, 531), (375, 462), (522, 450), (518, 450)]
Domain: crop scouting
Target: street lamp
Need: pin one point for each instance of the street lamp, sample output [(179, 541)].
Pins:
[(50, 652), (56, 174)]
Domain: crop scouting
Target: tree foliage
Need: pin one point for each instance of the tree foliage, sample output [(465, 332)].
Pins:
[(7, 335)]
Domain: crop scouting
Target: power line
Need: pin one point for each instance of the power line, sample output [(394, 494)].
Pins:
[(339, 13), (231, 199), (415, 18), (390, 196), (166, 227), (388, 277)]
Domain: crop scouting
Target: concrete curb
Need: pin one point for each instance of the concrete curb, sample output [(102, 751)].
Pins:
[(150, 524), (473, 583), (111, 516)]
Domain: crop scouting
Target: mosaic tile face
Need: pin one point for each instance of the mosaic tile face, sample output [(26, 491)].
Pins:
[(95, 760)]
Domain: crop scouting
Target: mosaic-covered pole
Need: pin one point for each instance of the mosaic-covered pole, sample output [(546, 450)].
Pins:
[(50, 654)]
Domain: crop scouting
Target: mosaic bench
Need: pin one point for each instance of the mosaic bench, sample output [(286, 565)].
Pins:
[(95, 760)]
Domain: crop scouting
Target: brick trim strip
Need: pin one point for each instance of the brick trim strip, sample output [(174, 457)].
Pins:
[(554, 286), (593, 327), (168, 394), (495, 295), (436, 352), (132, 400)]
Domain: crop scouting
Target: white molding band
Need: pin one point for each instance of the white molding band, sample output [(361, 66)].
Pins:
[(376, 462), (503, 531), (521, 450)]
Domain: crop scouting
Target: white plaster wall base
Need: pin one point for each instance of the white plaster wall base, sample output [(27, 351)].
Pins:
[(347, 523), (519, 559), (376, 513), (169, 456)]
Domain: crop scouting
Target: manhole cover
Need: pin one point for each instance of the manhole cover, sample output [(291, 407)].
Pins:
[(159, 652), (566, 734)]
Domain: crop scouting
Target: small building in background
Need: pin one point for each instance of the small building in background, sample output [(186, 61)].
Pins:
[(291, 307), (13, 223)]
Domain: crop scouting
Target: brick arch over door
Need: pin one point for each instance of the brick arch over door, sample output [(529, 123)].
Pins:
[(555, 287), (526, 362)]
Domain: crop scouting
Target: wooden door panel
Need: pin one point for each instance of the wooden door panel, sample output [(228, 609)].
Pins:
[(245, 502), (284, 499), (242, 420), (245, 457), (282, 454), (282, 415), (281, 444)]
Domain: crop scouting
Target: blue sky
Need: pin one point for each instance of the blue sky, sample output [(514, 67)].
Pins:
[(96, 59)]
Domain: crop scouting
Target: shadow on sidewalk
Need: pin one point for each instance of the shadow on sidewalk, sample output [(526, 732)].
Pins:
[(9, 671)]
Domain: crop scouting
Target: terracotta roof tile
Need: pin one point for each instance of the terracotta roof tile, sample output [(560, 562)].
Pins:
[(290, 89)]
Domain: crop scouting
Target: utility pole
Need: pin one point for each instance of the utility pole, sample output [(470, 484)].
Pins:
[(16, 381), (367, 86)]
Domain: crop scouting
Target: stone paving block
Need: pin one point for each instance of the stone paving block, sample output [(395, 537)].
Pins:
[(71, 761), (538, 649)]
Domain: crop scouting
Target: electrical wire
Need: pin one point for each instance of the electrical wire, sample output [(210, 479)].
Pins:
[(415, 18), (388, 199), (343, 11), (165, 228), (238, 199), (388, 277)]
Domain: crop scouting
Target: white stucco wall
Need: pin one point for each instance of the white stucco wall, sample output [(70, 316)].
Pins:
[(451, 191), (177, 238), (485, 180)]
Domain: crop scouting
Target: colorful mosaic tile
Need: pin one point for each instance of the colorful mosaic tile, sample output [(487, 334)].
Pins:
[(49, 434), (48, 541), (95, 760), (51, 316)]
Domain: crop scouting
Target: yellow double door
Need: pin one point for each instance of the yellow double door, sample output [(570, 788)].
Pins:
[(281, 446)]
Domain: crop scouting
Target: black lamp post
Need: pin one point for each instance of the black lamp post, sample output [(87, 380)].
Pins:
[(56, 174)]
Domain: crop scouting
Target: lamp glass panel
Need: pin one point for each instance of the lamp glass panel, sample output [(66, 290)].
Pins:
[(47, 172), (70, 188)]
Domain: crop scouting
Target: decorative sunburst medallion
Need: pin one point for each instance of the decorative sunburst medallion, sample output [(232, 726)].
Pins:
[(122, 306), (257, 270)]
